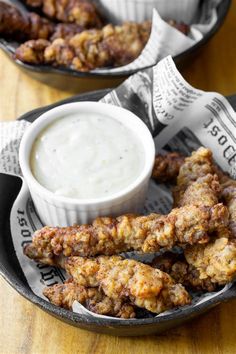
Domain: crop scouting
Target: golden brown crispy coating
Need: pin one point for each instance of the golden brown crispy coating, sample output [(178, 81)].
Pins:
[(93, 299), (186, 225), (229, 197), (125, 43), (34, 3), (65, 31), (129, 280), (83, 52), (58, 52), (189, 276), (202, 190), (16, 25), (166, 167), (110, 46), (82, 12), (216, 260), (205, 191), (182, 272), (28, 26), (39, 27), (33, 51), (11, 20), (224, 188), (199, 164), (108, 236)]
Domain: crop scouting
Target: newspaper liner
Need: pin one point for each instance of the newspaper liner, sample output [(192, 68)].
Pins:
[(180, 117), (164, 39)]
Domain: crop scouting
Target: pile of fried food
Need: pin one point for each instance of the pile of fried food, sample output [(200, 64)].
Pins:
[(73, 34), (202, 223)]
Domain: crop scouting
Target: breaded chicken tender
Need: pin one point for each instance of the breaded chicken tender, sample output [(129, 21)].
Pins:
[(166, 167), (187, 225), (29, 26), (216, 260), (34, 50), (82, 12), (199, 164), (128, 280), (65, 31), (205, 266), (14, 24), (110, 46), (182, 272), (109, 236), (93, 299), (205, 191), (229, 197)]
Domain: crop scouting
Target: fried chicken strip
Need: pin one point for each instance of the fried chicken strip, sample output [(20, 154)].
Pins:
[(129, 280), (28, 26), (34, 51), (216, 260), (201, 191), (110, 46), (65, 31), (19, 26), (229, 198), (82, 12), (166, 167), (204, 266), (108, 236), (205, 191), (64, 295), (199, 164), (182, 272), (195, 176)]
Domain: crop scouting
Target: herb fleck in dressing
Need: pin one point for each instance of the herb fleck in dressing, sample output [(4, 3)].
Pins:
[(90, 156)]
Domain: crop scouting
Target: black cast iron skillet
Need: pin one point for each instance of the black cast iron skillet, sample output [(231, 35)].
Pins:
[(68, 79), (12, 273)]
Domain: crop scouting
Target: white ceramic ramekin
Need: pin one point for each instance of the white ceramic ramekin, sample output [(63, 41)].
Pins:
[(56, 210), (140, 10)]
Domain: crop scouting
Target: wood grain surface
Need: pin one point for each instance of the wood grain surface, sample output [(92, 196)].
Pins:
[(27, 329)]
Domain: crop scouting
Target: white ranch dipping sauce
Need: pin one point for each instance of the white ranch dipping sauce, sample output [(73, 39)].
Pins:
[(86, 156)]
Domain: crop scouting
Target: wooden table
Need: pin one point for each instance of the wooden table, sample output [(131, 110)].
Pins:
[(27, 329)]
